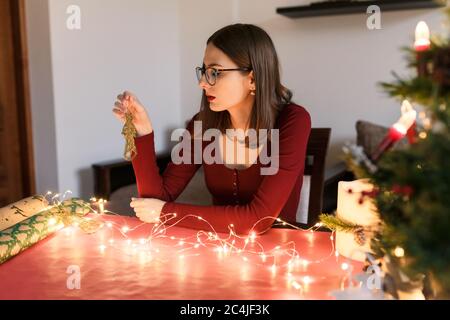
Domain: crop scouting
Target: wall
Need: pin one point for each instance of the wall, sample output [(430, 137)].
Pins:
[(120, 46), (332, 64)]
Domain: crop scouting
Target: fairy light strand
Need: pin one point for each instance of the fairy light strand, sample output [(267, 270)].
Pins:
[(284, 256)]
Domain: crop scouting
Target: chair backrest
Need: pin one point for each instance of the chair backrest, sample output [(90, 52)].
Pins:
[(311, 198)]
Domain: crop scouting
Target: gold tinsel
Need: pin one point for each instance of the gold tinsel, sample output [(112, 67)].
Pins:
[(72, 212), (129, 132)]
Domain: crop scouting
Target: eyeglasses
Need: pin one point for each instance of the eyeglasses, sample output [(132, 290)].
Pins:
[(211, 73)]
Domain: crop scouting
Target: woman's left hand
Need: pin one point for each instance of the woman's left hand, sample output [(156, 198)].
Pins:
[(147, 209)]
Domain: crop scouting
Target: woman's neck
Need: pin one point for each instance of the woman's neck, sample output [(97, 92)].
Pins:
[(240, 114)]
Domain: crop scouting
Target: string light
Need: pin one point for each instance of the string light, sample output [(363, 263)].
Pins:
[(52, 221), (280, 256), (274, 268), (399, 252), (306, 280), (305, 263), (296, 285)]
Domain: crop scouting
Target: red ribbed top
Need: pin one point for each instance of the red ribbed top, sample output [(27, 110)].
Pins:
[(240, 197)]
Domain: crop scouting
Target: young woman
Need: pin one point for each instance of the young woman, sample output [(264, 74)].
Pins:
[(241, 89)]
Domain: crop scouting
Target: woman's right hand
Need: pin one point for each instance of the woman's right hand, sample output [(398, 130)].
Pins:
[(127, 101)]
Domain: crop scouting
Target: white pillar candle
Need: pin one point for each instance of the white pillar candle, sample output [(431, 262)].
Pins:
[(363, 214)]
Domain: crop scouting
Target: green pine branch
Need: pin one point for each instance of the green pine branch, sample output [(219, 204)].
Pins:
[(335, 223)]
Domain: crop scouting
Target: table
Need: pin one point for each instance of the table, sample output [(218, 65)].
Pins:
[(112, 265)]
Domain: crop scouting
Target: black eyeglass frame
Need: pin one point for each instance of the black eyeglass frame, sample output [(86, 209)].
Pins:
[(203, 73)]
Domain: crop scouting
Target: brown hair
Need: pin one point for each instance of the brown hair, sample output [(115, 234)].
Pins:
[(250, 46)]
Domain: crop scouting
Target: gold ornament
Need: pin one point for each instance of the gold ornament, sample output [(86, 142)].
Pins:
[(129, 132)]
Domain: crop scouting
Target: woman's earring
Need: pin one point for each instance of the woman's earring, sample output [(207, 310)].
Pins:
[(252, 93)]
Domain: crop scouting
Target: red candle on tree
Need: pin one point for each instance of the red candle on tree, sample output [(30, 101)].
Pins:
[(397, 131)]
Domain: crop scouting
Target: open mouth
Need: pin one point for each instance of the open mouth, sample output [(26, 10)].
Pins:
[(210, 98)]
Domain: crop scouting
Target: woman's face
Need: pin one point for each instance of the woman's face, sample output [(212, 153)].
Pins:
[(232, 88)]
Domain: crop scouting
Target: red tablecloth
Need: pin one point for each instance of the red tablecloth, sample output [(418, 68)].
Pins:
[(168, 269)]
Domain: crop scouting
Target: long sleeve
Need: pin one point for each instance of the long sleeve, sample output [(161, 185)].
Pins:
[(150, 183), (272, 193)]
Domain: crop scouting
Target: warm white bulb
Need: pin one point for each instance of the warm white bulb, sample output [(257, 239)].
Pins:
[(296, 285), (51, 221), (306, 280), (399, 252)]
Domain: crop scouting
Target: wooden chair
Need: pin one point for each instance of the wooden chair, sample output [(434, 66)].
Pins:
[(316, 154), (112, 175)]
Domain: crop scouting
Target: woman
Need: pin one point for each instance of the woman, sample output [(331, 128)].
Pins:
[(241, 86)]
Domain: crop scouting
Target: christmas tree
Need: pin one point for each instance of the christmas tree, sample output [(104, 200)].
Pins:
[(412, 185)]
